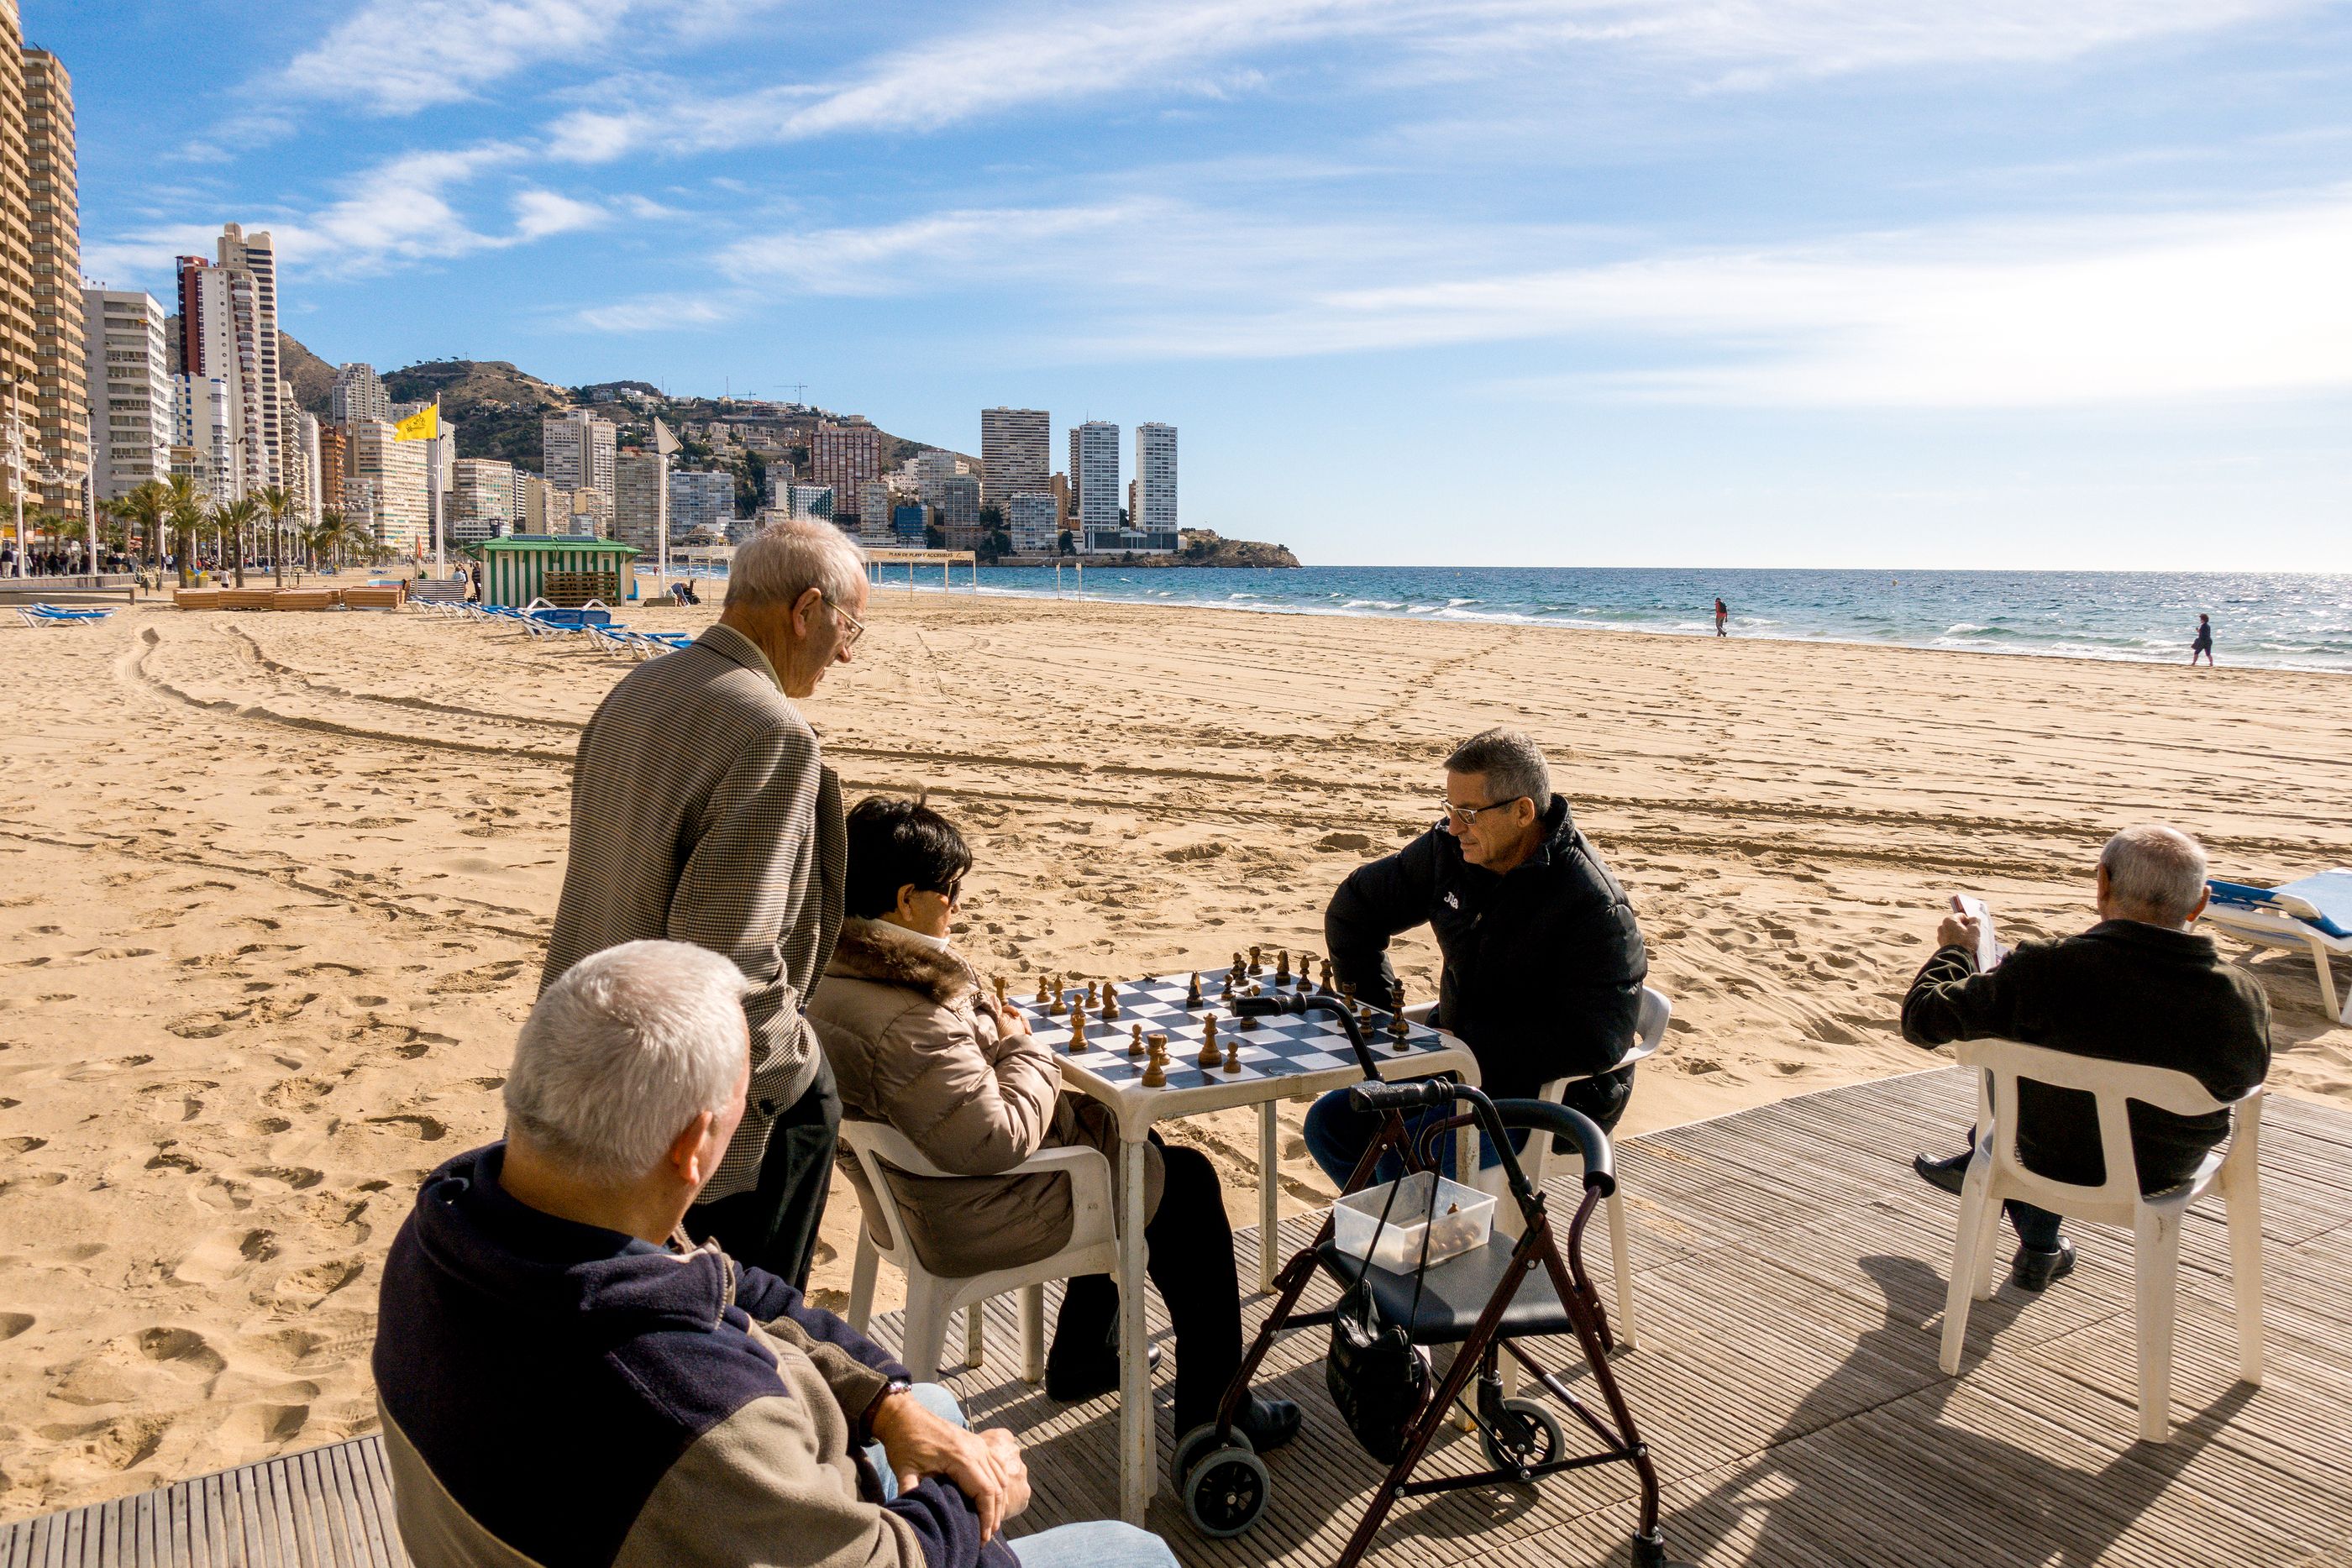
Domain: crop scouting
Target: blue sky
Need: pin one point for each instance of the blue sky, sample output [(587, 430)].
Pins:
[(1557, 282)]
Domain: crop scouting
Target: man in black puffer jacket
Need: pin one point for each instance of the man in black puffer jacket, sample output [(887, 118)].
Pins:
[(1544, 962)]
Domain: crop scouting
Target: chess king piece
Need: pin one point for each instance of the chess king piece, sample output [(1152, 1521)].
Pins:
[(1282, 967), (1155, 1071), (1193, 991), (1109, 1003), (1257, 961), (1400, 1030), (1135, 1040), (1209, 1040)]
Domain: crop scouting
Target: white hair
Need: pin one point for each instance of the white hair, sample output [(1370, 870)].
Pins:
[(2157, 869), (784, 561), (623, 1050)]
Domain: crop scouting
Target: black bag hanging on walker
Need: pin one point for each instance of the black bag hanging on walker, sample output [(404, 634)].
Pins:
[(1375, 1375)]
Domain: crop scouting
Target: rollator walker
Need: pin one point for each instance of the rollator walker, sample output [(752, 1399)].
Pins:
[(1485, 1300)]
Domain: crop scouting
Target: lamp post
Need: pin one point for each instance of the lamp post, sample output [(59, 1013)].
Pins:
[(15, 460)]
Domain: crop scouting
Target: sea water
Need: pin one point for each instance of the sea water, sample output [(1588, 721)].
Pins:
[(2275, 620)]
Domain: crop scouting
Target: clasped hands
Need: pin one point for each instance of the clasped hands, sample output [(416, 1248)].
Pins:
[(986, 1467)]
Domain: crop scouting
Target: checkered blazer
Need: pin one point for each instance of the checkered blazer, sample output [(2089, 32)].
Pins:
[(702, 813)]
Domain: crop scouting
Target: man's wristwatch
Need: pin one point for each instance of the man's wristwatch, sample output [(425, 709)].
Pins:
[(874, 1408)]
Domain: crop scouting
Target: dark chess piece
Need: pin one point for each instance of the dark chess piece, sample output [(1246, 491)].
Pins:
[(1327, 986), (1282, 967), (1257, 961), (1193, 991)]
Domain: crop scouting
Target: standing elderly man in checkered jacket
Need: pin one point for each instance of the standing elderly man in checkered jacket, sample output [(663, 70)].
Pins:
[(701, 813)]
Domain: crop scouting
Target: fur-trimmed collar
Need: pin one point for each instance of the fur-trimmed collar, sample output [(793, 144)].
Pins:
[(874, 950)]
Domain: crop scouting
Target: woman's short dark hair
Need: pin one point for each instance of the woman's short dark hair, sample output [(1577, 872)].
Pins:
[(895, 841)]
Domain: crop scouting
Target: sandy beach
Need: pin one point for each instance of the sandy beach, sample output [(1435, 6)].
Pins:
[(273, 889)]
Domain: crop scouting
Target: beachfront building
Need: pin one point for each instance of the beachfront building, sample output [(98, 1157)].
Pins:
[(874, 512), (807, 501), (334, 462), (127, 370), (229, 332), (201, 426), (700, 499), (1034, 522), (522, 568), (1152, 513), (18, 362), (959, 518), (481, 500), (577, 451), (385, 488), (932, 469), (641, 501), (358, 395), (1094, 481), (538, 504), (59, 407), (842, 457), (298, 450), (911, 523), (1014, 444), (591, 515)]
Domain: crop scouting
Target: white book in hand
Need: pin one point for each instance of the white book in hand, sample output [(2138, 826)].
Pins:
[(1989, 952)]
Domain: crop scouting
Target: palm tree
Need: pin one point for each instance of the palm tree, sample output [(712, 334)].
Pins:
[(335, 534), (235, 516), (147, 507), (184, 511), (277, 501)]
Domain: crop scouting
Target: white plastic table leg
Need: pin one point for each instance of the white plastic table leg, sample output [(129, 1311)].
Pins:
[(1137, 1464), (1269, 1185)]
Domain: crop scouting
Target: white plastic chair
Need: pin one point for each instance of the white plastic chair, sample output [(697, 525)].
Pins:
[(1995, 1175), (883, 1151)]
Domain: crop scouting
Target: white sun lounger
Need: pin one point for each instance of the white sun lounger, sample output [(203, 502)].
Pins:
[(2314, 913)]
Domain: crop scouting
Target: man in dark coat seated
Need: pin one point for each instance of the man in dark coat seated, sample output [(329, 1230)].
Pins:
[(1544, 962), (2139, 987)]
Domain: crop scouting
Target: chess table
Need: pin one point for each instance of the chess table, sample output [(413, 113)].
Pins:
[(1290, 1057)]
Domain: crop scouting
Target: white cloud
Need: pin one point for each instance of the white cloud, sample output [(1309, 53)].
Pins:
[(2084, 312), (1088, 52), (396, 57), (661, 313), (539, 214)]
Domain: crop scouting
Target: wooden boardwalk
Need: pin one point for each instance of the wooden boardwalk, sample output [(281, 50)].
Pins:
[(1790, 1281)]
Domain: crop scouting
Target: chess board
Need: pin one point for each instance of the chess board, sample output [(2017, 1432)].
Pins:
[(1287, 1046)]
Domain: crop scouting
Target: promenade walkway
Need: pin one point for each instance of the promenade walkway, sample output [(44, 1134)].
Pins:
[(1791, 1273)]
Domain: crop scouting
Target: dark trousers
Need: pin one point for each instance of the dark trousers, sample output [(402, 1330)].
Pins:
[(1190, 1255), (2036, 1227), (773, 1226)]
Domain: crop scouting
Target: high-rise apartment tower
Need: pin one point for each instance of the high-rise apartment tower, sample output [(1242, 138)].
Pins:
[(1014, 448)]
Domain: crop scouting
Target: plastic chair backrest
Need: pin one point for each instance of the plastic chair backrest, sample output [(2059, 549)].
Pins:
[(2111, 1084)]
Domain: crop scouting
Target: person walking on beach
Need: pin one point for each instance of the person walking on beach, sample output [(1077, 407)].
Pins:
[(1722, 614), (2204, 643), (702, 813)]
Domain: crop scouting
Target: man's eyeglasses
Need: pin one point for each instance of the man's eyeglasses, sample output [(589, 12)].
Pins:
[(1467, 815), (852, 628), (952, 892)]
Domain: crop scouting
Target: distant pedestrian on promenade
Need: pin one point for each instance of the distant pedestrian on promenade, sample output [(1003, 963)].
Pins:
[(2204, 643), (1722, 614)]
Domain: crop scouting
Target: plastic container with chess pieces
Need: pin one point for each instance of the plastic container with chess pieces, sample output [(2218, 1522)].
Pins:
[(1464, 1216)]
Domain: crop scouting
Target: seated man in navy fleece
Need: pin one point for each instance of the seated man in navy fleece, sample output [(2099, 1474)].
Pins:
[(564, 1380)]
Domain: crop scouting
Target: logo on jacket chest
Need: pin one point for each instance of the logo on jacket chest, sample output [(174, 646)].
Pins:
[(1451, 902)]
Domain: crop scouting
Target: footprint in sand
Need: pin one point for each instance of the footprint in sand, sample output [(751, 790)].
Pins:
[(309, 1286), (423, 1129), (224, 1255), (13, 1323), (184, 1350)]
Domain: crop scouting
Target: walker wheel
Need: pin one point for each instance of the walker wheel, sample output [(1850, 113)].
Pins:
[(1524, 1433), (1227, 1491), (1192, 1445)]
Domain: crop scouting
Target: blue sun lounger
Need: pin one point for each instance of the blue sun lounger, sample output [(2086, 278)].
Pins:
[(58, 615), (2313, 913)]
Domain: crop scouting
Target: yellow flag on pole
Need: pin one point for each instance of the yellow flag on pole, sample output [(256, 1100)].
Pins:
[(422, 425)]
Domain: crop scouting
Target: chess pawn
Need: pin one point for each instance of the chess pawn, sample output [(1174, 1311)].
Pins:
[(1327, 978), (1135, 1040), (1193, 991), (1209, 1052), (1078, 1028), (1257, 961), (1057, 1008), (1042, 998), (1109, 1003), (1348, 993), (1226, 989), (1091, 999), (1239, 969), (1233, 1056), (1155, 1071), (1282, 967)]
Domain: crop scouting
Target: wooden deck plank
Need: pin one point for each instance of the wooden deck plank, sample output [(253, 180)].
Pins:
[(1790, 1271)]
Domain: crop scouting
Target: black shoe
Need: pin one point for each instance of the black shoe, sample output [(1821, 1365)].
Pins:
[(1268, 1422), (1072, 1381), (2037, 1271), (1943, 1175)]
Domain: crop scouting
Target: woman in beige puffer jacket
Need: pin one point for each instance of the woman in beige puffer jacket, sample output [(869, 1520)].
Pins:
[(914, 1041)]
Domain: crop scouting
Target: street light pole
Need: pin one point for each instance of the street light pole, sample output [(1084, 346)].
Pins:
[(16, 469)]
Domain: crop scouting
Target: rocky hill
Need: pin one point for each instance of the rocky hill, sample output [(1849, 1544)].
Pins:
[(1203, 547)]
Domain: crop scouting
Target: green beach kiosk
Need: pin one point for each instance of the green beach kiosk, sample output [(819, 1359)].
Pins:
[(556, 568)]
